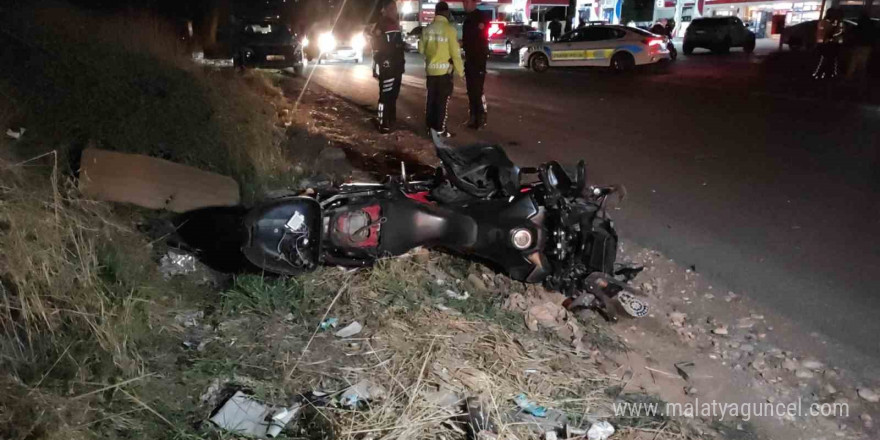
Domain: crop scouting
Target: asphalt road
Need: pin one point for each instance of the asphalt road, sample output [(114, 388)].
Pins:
[(773, 194)]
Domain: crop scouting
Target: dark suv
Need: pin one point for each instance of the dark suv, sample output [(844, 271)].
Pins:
[(268, 44), (718, 34)]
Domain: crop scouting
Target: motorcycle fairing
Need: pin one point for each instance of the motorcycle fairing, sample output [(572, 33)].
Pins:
[(418, 224), (284, 236)]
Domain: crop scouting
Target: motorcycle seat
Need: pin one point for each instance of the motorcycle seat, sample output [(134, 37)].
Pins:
[(480, 170)]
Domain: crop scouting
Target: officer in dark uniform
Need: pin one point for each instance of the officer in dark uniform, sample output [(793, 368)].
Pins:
[(475, 40), (389, 46)]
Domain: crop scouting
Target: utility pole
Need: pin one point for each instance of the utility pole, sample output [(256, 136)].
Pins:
[(569, 14)]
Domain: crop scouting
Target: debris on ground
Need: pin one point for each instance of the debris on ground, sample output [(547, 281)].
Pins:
[(869, 395), (153, 183), (189, 319), (242, 415), (458, 296), (684, 369), (600, 431), (350, 330), (530, 407), (552, 420), (15, 134), (175, 263), (362, 391), (329, 323)]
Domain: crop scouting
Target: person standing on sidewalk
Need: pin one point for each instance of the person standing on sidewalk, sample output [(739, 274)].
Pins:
[(439, 45), (475, 39), (390, 62)]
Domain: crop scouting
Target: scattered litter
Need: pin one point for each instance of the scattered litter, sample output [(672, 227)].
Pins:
[(720, 330), (189, 319), (244, 416), (447, 309), (350, 330), (869, 395), (362, 391), (530, 407), (684, 369), (329, 323), (461, 297), (600, 431), (15, 134), (554, 420), (280, 419), (176, 263), (812, 364)]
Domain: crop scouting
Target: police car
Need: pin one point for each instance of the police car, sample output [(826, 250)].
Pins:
[(619, 47)]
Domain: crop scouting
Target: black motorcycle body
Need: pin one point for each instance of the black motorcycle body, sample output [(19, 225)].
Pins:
[(551, 230)]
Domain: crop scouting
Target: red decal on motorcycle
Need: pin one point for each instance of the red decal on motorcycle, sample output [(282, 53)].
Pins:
[(421, 197), (525, 190), (372, 240)]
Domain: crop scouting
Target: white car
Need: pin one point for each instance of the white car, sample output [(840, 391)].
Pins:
[(618, 47)]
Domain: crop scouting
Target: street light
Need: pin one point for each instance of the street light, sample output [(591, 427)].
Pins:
[(407, 8)]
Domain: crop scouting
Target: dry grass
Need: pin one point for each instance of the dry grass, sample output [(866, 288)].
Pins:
[(73, 290)]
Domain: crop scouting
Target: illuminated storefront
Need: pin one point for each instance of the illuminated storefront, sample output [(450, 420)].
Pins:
[(766, 19)]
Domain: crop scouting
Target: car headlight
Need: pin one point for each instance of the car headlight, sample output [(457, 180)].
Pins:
[(305, 42), (326, 42), (358, 42)]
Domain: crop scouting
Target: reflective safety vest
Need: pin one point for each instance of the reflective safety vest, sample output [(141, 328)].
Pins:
[(439, 45)]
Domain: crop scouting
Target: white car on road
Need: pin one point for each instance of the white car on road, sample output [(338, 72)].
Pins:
[(618, 47)]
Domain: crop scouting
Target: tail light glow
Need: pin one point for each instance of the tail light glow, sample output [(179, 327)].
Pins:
[(495, 29)]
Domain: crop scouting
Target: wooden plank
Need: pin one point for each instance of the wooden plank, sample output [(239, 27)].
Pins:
[(152, 183)]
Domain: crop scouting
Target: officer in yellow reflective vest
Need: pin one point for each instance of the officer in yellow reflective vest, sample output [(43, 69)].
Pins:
[(439, 45)]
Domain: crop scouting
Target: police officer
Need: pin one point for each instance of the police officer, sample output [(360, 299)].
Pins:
[(389, 57), (439, 45), (475, 39)]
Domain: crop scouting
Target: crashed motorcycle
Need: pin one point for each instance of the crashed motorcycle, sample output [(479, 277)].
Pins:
[(536, 225)]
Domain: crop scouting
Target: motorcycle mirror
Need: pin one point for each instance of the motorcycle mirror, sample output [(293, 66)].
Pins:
[(402, 172)]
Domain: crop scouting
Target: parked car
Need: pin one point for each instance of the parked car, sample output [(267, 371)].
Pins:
[(336, 45), (509, 38), (803, 35), (718, 34), (268, 44), (618, 47)]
